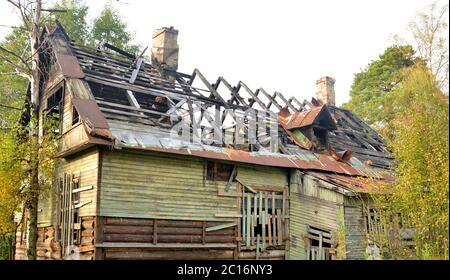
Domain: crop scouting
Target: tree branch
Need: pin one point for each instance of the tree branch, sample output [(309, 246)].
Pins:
[(15, 55)]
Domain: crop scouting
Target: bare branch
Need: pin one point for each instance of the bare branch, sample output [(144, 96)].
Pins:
[(15, 55)]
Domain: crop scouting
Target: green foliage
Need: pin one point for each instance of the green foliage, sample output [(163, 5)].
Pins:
[(420, 146), (17, 159), (372, 89), (74, 20), (110, 28), (341, 233)]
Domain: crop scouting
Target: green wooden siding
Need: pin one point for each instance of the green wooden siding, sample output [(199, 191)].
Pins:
[(262, 176), (161, 186), (311, 205), (85, 165), (355, 240)]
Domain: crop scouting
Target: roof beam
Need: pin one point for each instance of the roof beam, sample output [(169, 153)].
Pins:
[(286, 101), (254, 96), (272, 100), (211, 89)]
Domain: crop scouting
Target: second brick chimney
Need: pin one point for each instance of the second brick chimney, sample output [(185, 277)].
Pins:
[(325, 90), (165, 48)]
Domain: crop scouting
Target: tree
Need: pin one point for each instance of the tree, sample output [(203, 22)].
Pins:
[(371, 90), (109, 28), (74, 19), (29, 158), (421, 148), (430, 33)]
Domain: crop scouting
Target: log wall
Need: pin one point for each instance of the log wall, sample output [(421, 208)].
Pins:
[(149, 239)]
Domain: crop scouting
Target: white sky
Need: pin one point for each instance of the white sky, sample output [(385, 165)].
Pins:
[(280, 45)]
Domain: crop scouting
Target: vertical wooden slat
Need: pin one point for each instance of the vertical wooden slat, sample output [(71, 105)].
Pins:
[(58, 209), (269, 229), (320, 246), (253, 230), (308, 251), (284, 205), (63, 215), (258, 248), (255, 207), (248, 222), (279, 230), (263, 213), (260, 207), (69, 225), (274, 223), (244, 217)]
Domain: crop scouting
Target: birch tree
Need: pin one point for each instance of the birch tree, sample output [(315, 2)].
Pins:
[(430, 33)]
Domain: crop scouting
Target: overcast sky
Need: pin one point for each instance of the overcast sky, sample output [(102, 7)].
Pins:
[(280, 45)]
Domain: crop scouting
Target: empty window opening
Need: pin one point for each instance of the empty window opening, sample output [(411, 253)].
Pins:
[(319, 244), (321, 136), (264, 219), (54, 110), (75, 116), (106, 94), (216, 171), (149, 102)]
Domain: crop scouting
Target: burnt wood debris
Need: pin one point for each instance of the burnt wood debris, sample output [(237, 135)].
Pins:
[(126, 187)]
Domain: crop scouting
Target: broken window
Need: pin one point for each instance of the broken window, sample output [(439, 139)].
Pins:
[(216, 171), (373, 222), (264, 219), (75, 117), (54, 111), (68, 220), (319, 244)]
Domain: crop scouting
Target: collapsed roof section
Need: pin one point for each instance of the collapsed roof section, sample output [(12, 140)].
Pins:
[(135, 104)]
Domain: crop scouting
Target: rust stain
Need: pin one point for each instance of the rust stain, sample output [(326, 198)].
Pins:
[(70, 66)]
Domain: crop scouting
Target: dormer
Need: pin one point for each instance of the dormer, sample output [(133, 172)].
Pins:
[(314, 124)]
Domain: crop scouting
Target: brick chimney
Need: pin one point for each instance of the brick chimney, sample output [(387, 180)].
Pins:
[(165, 48), (325, 90)]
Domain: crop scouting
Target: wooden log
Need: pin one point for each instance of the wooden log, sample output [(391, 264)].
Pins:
[(56, 255), (49, 232), (41, 253), (114, 229), (128, 222), (87, 248), (89, 224), (87, 233), (86, 257), (55, 246), (87, 241), (128, 238), (269, 254), (169, 255)]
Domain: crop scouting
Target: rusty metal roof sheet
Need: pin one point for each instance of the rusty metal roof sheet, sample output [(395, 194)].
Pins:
[(355, 184), (305, 118), (69, 66), (304, 160)]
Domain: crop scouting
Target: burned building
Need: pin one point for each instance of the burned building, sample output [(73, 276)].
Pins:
[(143, 172)]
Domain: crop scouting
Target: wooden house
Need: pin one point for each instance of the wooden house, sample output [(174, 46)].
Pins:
[(126, 187)]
